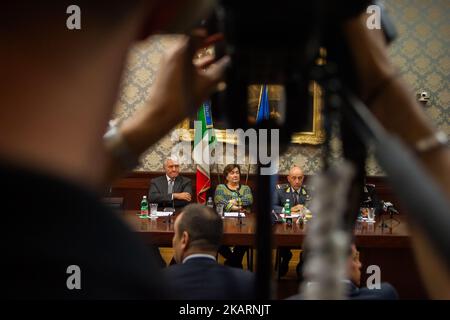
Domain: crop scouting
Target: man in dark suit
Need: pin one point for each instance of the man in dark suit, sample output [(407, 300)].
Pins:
[(297, 195), (171, 190), (353, 281), (355, 292), (198, 234)]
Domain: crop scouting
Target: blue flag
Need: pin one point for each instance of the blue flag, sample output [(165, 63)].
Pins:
[(263, 106), (208, 115)]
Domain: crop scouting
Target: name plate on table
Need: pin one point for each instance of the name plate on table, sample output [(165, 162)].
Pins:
[(163, 213), (293, 215), (234, 214)]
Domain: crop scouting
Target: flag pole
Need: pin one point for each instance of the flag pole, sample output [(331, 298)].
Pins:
[(248, 172), (218, 174)]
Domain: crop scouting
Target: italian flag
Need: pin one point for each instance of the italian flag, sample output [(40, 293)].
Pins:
[(204, 141)]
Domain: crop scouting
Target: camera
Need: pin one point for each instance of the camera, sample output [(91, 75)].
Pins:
[(423, 96), (275, 43)]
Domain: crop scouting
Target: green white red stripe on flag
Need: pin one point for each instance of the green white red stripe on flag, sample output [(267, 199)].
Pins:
[(204, 141)]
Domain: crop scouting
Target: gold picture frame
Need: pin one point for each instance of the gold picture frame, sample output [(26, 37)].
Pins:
[(317, 134), (314, 137)]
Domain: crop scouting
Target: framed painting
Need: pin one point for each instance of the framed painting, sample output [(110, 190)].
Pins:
[(312, 133)]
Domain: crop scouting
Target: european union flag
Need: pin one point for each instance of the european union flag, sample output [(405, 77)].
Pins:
[(263, 106), (208, 115)]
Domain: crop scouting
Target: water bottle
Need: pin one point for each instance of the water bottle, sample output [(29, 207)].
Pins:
[(287, 207), (144, 207), (210, 203), (287, 212)]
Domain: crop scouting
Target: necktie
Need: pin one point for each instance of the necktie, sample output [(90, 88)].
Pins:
[(170, 186), (296, 198)]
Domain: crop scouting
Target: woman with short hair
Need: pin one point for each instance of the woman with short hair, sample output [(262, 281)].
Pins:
[(234, 196)]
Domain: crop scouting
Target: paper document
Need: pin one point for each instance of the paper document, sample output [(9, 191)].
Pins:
[(293, 215), (163, 213), (233, 214)]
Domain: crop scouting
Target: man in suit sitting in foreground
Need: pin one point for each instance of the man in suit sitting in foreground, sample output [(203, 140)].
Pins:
[(353, 280), (197, 275)]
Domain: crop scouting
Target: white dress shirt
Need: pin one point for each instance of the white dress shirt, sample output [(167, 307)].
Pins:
[(199, 255)]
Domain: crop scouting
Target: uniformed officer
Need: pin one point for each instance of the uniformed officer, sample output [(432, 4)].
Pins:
[(297, 195), (297, 198)]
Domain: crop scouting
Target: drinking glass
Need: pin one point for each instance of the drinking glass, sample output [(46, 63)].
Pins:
[(153, 209), (219, 209), (371, 215)]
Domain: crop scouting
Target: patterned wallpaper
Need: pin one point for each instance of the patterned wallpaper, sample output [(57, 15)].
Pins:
[(421, 52)]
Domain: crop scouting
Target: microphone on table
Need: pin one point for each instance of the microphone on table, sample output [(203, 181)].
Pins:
[(389, 207)]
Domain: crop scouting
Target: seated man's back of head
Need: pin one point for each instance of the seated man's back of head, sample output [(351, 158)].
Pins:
[(198, 234)]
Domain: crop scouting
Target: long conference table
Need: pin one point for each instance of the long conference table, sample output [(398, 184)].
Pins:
[(160, 232), (388, 247)]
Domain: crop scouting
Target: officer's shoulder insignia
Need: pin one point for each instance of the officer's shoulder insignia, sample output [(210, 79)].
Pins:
[(304, 191), (282, 186)]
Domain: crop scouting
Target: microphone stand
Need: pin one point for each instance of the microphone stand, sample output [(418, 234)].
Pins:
[(383, 224), (169, 216), (240, 218), (391, 217), (388, 208)]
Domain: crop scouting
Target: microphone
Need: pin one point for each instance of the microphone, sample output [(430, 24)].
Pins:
[(275, 218), (389, 207), (393, 210)]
